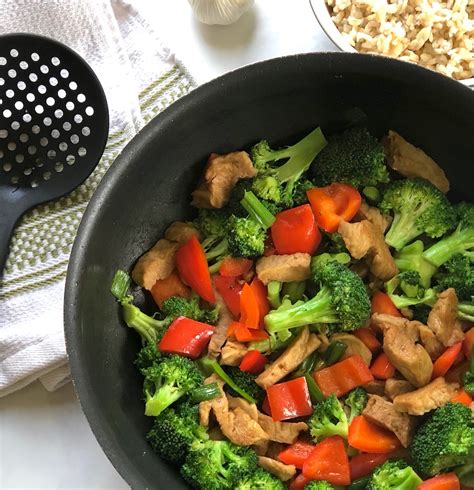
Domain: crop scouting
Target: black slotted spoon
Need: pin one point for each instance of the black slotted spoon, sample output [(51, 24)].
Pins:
[(54, 125)]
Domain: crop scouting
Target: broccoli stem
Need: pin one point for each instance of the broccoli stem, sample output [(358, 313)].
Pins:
[(162, 399), (317, 310), (274, 288), (300, 155), (466, 311), (145, 325), (205, 392), (402, 230), (217, 251), (209, 365), (294, 290), (257, 211), (458, 242)]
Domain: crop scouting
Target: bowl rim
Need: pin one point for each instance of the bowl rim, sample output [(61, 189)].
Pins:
[(321, 12), (98, 422)]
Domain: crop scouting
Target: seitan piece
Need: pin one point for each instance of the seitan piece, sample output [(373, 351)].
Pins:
[(304, 344), (355, 346), (221, 174), (284, 268), (157, 263), (363, 239), (374, 215), (249, 408), (284, 432), (432, 345), (220, 334), (395, 387), (400, 337), (180, 232), (411, 161), (443, 316), (384, 414), (375, 387), (281, 470), (433, 395), (232, 353)]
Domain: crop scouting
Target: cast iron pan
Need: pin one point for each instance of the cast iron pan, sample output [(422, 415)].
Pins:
[(149, 187)]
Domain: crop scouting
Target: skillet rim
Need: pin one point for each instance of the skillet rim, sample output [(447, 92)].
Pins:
[(329, 61)]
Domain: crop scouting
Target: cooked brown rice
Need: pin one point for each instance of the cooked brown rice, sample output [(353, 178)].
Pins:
[(435, 34)]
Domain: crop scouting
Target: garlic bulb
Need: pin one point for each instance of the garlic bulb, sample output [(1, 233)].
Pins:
[(222, 12)]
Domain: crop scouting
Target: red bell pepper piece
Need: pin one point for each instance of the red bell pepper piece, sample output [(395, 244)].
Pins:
[(334, 203), (229, 288), (382, 368), (235, 266), (260, 292), (462, 397), (253, 362), (168, 287), (468, 344), (249, 310), (381, 303), (363, 464), (342, 377), (289, 399), (328, 461), (186, 337), (446, 360), (447, 481), (192, 267), (299, 482), (296, 454), (245, 334), (371, 438), (369, 339), (295, 230)]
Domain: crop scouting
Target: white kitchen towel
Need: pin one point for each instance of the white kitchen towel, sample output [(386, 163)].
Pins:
[(140, 78)]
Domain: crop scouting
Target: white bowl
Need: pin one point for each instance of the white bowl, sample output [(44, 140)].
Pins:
[(323, 16)]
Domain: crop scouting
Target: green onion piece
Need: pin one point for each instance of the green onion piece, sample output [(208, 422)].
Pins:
[(120, 284), (319, 364), (372, 194), (257, 210), (212, 365), (274, 288), (360, 484), (306, 366), (314, 390), (334, 352), (294, 290), (205, 392)]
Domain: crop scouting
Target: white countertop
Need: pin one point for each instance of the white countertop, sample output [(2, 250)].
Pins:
[(45, 441)]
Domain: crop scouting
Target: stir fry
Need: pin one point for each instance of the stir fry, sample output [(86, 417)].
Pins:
[(312, 327)]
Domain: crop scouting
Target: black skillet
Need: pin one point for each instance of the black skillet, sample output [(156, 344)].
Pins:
[(149, 187)]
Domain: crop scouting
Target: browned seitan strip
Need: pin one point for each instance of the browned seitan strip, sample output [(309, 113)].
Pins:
[(180, 232), (375, 387), (284, 268), (282, 471), (304, 344), (232, 353), (373, 214), (285, 432), (395, 387), (220, 334), (443, 316)]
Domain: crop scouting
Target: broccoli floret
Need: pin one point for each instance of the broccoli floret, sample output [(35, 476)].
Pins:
[(342, 300), (458, 242), (167, 381), (212, 222), (394, 475), (336, 244), (457, 273), (176, 306), (328, 419), (246, 237), (444, 440), (465, 472), (234, 205), (408, 283), (218, 465), (175, 431), (356, 401), (260, 480), (421, 313), (319, 485), (468, 376), (402, 301), (146, 356), (299, 192), (418, 207), (410, 258), (278, 183), (354, 157), (246, 382)]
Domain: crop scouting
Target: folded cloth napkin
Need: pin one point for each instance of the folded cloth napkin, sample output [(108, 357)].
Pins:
[(140, 78)]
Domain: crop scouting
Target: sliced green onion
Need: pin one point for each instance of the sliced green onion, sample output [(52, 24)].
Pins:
[(306, 366), (314, 390), (372, 194), (257, 210), (205, 392), (360, 484), (334, 352), (120, 284)]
